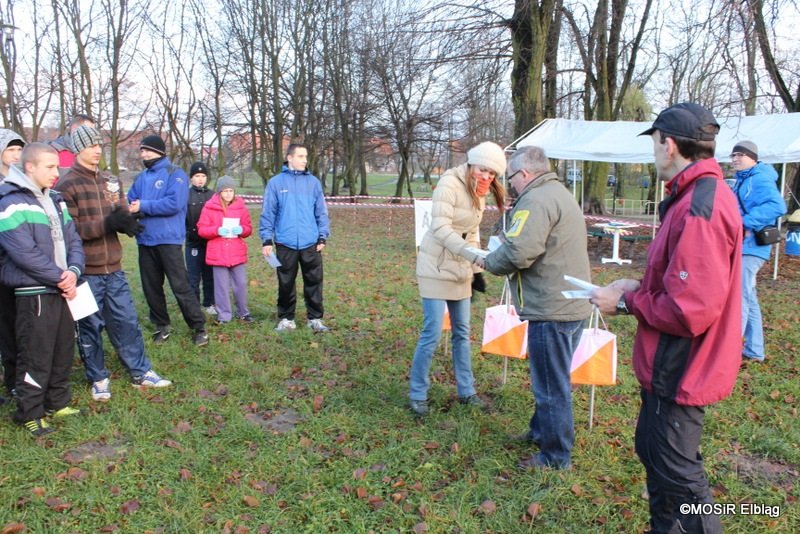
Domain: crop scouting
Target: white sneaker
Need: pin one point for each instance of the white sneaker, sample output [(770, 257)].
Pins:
[(211, 310), (150, 380), (101, 390), (317, 326), (285, 324)]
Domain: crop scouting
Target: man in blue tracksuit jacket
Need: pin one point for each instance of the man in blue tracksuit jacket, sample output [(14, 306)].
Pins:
[(159, 195), (760, 204), (294, 220), (41, 258)]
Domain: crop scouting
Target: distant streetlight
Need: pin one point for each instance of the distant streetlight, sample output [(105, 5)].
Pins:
[(11, 58)]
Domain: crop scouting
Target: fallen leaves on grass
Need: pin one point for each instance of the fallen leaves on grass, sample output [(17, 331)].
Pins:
[(184, 474), (375, 502), (182, 427), (13, 528), (57, 505), (487, 507), (129, 507), (534, 509), (319, 402), (250, 501), (73, 473), (264, 487), (172, 444)]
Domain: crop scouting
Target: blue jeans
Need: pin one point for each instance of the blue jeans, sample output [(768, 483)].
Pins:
[(752, 329), (116, 314), (550, 348), (433, 317)]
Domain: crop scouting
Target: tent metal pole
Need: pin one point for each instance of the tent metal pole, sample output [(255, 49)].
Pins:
[(778, 244)]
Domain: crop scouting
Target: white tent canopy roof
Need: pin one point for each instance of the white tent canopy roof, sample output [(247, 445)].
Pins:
[(777, 137)]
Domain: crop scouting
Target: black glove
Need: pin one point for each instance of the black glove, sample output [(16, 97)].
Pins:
[(120, 220), (478, 283), (132, 226)]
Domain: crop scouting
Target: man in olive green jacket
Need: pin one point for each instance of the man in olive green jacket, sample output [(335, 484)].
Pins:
[(545, 239)]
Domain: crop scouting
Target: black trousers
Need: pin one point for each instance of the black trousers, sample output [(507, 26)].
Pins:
[(310, 262), (167, 260), (8, 336), (668, 442), (46, 339), (198, 270)]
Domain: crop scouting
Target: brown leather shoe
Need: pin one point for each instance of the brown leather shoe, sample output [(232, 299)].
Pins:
[(532, 462), (525, 437), (535, 462)]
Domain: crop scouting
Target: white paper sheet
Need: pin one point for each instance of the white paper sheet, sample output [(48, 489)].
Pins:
[(273, 260), (585, 291), (84, 303), (480, 252), (230, 223)]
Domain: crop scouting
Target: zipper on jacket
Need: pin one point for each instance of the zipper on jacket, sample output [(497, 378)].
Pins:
[(105, 236)]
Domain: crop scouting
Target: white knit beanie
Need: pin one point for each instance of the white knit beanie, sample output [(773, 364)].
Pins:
[(489, 155)]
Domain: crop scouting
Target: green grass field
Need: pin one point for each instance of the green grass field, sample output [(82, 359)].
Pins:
[(298, 432)]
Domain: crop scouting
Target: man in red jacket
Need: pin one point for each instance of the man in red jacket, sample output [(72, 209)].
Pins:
[(688, 345)]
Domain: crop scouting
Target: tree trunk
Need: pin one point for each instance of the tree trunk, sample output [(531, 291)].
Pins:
[(530, 27)]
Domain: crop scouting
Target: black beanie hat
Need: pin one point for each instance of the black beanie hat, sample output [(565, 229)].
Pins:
[(197, 168), (154, 143)]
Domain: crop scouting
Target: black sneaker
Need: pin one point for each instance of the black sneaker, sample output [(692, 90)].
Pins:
[(419, 407), (247, 318), (161, 335), (38, 427), (474, 401), (200, 338)]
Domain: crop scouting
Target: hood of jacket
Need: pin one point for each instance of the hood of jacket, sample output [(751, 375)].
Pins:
[(6, 136), (21, 180)]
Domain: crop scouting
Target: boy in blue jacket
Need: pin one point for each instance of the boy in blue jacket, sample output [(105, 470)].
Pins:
[(42, 258)]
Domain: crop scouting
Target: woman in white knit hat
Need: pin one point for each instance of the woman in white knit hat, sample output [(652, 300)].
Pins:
[(446, 271)]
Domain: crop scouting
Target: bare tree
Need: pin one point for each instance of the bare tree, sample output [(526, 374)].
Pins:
[(406, 72), (124, 31), (79, 26), (216, 57), (604, 52), (30, 95)]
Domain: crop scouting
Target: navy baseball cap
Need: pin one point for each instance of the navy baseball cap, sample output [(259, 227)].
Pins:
[(686, 119)]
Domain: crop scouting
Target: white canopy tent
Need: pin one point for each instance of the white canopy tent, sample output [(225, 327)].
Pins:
[(777, 137)]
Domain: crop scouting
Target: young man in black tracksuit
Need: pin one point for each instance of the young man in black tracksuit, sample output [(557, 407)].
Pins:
[(42, 258)]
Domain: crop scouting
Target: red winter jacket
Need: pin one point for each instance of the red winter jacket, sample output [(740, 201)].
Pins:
[(224, 251), (688, 346)]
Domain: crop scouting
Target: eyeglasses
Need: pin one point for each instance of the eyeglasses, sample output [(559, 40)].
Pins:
[(736, 155), (513, 174)]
